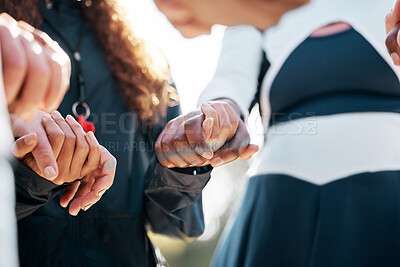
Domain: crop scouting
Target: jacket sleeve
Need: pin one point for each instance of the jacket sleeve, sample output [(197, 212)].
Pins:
[(173, 197), (32, 191), (174, 200)]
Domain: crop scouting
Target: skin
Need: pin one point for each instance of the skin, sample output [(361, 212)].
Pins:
[(36, 70), (77, 157), (195, 17), (392, 23), (214, 135)]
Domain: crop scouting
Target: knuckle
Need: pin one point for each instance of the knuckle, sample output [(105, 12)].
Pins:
[(391, 41), (57, 136), (165, 145), (44, 155), (190, 126), (158, 147), (17, 65), (42, 71), (235, 152), (180, 138), (226, 125), (70, 138), (178, 144), (83, 147), (56, 65), (113, 160)]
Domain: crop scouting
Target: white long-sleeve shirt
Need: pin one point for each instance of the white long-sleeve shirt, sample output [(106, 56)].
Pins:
[(337, 146), (238, 67)]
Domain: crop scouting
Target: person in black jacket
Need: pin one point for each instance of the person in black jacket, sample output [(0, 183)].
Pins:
[(129, 102)]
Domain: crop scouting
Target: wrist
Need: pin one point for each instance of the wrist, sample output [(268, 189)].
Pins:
[(234, 106)]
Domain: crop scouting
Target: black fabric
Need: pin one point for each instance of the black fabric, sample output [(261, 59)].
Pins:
[(32, 191), (112, 232), (169, 193), (263, 71), (284, 221), (339, 73)]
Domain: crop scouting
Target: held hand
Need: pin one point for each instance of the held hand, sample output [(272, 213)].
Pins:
[(91, 188), (36, 70), (392, 24), (192, 139), (230, 138), (64, 152), (63, 145)]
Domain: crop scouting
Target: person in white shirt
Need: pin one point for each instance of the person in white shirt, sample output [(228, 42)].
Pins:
[(324, 189)]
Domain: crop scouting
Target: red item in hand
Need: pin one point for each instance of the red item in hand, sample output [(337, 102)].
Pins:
[(86, 125)]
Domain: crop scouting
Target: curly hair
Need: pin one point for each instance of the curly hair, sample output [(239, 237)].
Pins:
[(144, 83)]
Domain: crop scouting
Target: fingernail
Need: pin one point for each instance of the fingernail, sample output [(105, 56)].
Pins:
[(88, 206), (69, 117), (91, 136), (76, 213), (50, 172), (216, 162), (30, 139), (208, 155), (395, 57), (46, 116), (56, 113), (63, 205), (101, 192)]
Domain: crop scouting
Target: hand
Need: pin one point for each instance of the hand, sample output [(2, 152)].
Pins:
[(91, 188), (36, 71), (64, 152), (392, 24), (192, 139), (77, 155)]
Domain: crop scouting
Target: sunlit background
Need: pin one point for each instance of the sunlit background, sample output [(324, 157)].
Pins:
[(192, 62)]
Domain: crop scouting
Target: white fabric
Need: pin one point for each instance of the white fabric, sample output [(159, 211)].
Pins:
[(8, 231), (342, 144), (365, 16), (236, 76), (238, 68), (323, 149)]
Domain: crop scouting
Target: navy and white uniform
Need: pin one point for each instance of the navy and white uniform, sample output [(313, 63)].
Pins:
[(325, 188)]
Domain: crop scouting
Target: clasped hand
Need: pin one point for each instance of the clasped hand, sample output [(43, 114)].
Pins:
[(214, 134), (58, 150)]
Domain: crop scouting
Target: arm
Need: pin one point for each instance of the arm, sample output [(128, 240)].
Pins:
[(173, 199), (236, 76), (173, 203), (224, 102)]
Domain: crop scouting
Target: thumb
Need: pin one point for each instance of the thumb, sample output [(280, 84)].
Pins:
[(24, 145), (249, 152)]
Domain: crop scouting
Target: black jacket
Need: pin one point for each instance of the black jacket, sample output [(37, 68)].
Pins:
[(112, 232)]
